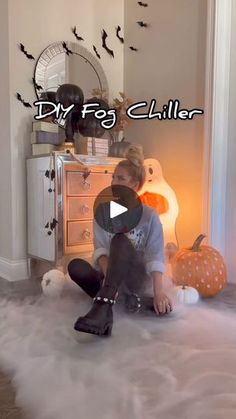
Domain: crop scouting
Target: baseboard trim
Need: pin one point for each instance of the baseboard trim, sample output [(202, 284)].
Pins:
[(14, 270)]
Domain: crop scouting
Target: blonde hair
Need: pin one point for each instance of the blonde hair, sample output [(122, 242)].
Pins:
[(133, 163)]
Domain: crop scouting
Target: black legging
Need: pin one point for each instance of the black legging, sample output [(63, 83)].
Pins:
[(126, 270)]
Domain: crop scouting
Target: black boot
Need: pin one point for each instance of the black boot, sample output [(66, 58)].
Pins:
[(134, 303), (99, 319), (142, 304)]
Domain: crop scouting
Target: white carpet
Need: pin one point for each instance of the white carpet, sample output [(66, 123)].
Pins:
[(181, 366)]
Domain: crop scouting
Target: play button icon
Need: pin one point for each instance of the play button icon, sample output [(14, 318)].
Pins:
[(117, 209)]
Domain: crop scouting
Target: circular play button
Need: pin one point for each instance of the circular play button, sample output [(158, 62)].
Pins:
[(118, 209)]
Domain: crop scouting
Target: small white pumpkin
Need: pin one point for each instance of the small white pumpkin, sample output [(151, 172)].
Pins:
[(187, 295), (53, 283)]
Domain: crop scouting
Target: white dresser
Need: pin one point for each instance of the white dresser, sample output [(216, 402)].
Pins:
[(61, 193)]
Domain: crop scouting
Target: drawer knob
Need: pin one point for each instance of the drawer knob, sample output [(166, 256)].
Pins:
[(86, 234), (84, 209)]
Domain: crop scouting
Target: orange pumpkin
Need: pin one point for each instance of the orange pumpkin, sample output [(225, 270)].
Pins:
[(201, 267), (156, 201)]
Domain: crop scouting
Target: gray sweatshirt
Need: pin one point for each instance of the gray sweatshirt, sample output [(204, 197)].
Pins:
[(146, 237)]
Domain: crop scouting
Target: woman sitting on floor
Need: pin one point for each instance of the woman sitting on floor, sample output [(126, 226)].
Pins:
[(123, 262)]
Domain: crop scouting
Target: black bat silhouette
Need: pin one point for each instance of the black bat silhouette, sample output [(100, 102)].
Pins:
[(52, 174), (104, 45), (53, 224), (79, 38), (26, 104), (37, 86), (142, 4), (142, 24), (96, 52), (118, 29), (67, 50), (29, 56), (133, 49)]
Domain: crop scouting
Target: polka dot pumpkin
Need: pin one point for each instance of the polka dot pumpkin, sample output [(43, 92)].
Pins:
[(201, 267)]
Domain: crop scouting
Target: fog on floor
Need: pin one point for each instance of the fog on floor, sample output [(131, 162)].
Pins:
[(180, 366)]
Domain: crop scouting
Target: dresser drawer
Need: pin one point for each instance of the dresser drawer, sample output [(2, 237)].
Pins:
[(95, 182), (79, 232), (80, 208)]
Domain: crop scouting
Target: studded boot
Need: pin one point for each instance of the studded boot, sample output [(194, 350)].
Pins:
[(99, 319)]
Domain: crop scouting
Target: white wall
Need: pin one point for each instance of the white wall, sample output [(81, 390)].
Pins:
[(5, 141), (170, 64), (37, 24)]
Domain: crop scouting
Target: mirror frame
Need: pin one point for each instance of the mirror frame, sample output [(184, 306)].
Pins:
[(56, 48)]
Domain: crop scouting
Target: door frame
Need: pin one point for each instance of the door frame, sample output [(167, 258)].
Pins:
[(216, 121)]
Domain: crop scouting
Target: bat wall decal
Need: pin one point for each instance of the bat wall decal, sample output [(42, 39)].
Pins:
[(53, 174), (29, 56), (53, 224), (142, 24), (67, 50), (37, 86), (96, 52), (26, 104), (142, 4), (79, 38), (104, 45), (118, 29), (133, 49)]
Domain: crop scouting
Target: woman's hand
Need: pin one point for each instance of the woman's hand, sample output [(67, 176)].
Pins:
[(162, 304)]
